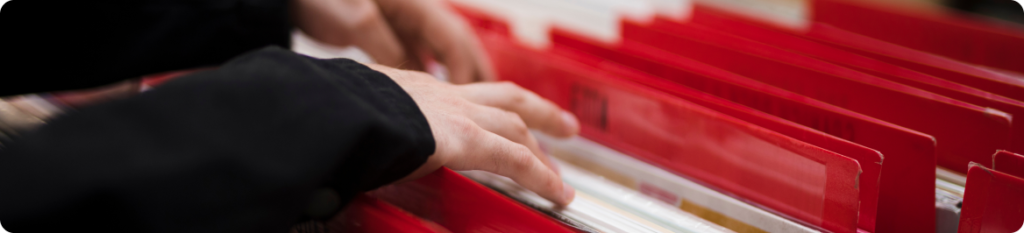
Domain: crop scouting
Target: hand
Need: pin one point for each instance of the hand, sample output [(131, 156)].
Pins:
[(397, 33), (484, 126)]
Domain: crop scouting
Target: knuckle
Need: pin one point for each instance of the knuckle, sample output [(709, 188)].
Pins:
[(520, 160), (416, 75), (517, 97), (365, 15), (466, 127), (509, 86), (519, 126), (420, 74), (458, 102)]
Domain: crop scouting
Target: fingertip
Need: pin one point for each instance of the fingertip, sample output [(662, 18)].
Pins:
[(570, 123), (568, 194), (554, 168)]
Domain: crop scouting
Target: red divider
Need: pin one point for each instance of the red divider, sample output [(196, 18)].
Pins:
[(1008, 162), (772, 170), (461, 205), (369, 214), (945, 33), (993, 202), (908, 171), (869, 159), (964, 132), (733, 24), (938, 66)]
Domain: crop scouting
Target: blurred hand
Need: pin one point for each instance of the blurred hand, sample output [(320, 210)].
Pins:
[(398, 33), (485, 126)]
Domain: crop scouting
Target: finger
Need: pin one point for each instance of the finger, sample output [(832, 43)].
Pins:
[(376, 38), (351, 22), (455, 45), (510, 126), (536, 111), (430, 25), (496, 154)]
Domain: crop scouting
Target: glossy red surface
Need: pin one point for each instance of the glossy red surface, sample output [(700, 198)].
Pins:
[(993, 202), (908, 171), (775, 171), (461, 205), (944, 33), (763, 33), (935, 65), (1009, 163), (869, 159), (369, 214), (964, 132)]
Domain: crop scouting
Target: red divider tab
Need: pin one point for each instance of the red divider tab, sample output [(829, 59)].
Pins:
[(869, 159), (938, 66), (964, 132), (772, 170), (944, 33), (733, 24), (369, 214), (1008, 162), (908, 170), (461, 205), (993, 202)]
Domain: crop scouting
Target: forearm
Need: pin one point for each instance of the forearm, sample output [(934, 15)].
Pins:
[(237, 149)]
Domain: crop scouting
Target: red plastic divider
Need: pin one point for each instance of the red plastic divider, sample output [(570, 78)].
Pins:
[(964, 132), (993, 202), (1008, 162), (461, 205), (369, 214), (938, 66), (734, 24), (869, 159), (772, 170), (908, 171), (945, 33)]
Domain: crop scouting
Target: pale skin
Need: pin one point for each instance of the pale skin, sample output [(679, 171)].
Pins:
[(485, 126), (397, 33), (482, 126), (479, 126)]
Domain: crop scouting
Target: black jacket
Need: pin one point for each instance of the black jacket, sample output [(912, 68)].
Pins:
[(240, 148)]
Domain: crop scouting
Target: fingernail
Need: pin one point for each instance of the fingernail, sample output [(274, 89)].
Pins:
[(570, 121), (568, 193)]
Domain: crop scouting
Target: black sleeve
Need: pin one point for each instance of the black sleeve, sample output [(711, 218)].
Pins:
[(241, 148), (105, 41)]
